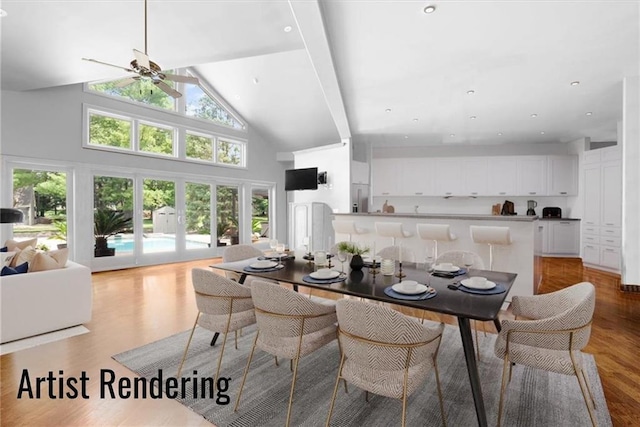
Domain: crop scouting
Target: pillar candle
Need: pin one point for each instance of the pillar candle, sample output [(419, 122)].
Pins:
[(400, 252)]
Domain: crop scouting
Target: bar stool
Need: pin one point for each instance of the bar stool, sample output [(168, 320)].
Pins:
[(393, 230), (347, 227), (437, 233), (491, 236)]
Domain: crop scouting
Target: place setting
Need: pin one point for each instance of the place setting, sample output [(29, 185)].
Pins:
[(324, 276), (263, 266), (478, 285), (447, 270), (410, 290)]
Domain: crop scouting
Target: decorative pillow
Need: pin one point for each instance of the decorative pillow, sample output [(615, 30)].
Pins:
[(13, 245), (5, 249), (6, 258), (25, 255), (8, 271), (49, 260)]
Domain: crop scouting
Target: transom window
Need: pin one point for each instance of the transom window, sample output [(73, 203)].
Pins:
[(138, 90)]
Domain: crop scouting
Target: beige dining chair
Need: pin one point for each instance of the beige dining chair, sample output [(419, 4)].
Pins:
[(393, 252), (223, 306), (555, 328), (239, 253), (289, 326), (389, 361)]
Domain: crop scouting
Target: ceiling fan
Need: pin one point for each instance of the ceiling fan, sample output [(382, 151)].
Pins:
[(147, 69)]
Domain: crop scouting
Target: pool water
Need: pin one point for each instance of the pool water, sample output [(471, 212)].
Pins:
[(152, 244)]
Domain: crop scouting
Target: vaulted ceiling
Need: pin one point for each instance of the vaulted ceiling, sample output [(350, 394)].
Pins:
[(382, 72)]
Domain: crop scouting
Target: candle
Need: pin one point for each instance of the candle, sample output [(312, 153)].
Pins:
[(400, 253), (373, 255)]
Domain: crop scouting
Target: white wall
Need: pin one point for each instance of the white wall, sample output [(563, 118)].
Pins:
[(631, 181), (463, 150), (336, 161)]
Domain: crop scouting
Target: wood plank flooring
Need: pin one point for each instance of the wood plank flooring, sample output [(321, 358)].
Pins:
[(137, 306)]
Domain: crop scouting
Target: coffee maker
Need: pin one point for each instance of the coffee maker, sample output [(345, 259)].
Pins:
[(531, 204)]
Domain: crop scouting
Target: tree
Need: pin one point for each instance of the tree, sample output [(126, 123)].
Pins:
[(142, 90), (113, 193), (49, 188)]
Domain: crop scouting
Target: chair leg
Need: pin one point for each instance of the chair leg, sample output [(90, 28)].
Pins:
[(224, 341), (475, 328), (435, 368), (335, 391), (277, 364), (503, 387), (246, 371), (291, 365), (293, 386), (404, 395), (583, 386), (236, 339), (586, 381), (366, 396), (184, 356)]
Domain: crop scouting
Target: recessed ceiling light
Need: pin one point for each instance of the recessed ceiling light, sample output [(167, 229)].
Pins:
[(287, 29), (588, 113), (499, 133), (575, 83), (406, 137), (3, 13), (388, 110), (473, 117), (534, 115), (471, 92), (415, 120), (542, 133), (452, 135), (429, 9), (255, 81)]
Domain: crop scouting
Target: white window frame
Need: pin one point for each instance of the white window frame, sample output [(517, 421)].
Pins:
[(86, 140), (243, 152), (214, 144), (174, 138)]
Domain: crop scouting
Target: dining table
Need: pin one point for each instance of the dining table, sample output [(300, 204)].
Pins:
[(448, 298)]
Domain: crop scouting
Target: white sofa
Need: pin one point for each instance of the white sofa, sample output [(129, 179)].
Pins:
[(44, 301)]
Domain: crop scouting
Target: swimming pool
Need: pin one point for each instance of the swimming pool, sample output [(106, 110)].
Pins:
[(151, 244)]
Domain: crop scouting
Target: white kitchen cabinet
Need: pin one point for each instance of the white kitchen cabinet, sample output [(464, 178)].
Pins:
[(543, 227), (384, 175), (610, 257), (475, 176), (591, 254), (532, 175), (416, 177), (562, 175), (611, 194), (564, 237), (501, 176), (449, 179), (592, 193)]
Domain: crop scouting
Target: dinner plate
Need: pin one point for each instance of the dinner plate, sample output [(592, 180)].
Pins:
[(399, 288), (487, 285), (325, 274), (452, 269), (263, 264)]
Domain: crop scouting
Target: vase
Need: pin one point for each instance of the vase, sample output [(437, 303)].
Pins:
[(356, 262)]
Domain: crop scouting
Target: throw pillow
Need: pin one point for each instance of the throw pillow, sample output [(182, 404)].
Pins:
[(25, 255), (5, 249), (13, 245), (9, 271), (51, 260), (6, 258)]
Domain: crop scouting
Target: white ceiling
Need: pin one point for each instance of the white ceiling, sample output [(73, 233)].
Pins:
[(519, 57)]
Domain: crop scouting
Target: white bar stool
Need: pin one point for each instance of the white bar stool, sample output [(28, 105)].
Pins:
[(347, 227), (437, 233), (491, 236), (393, 230)]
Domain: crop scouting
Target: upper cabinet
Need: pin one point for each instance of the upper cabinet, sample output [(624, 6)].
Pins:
[(385, 177), (475, 174), (449, 179), (416, 176), (501, 176), (562, 175), (532, 175)]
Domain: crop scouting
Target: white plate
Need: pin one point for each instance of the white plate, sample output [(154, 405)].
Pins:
[(263, 264), (325, 274), (452, 269), (487, 285), (399, 288)]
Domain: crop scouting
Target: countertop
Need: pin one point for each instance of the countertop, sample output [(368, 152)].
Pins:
[(559, 219), (521, 218)]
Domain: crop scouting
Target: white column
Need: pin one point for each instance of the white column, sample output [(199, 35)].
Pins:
[(631, 181)]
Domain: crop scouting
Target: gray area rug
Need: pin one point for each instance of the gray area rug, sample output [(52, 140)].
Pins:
[(534, 398)]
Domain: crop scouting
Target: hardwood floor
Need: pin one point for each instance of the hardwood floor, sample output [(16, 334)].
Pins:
[(137, 306)]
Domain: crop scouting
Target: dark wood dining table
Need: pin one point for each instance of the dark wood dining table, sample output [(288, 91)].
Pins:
[(362, 283)]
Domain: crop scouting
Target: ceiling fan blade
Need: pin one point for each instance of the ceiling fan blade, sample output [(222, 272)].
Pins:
[(142, 59), (167, 89), (127, 82), (182, 79), (110, 65)]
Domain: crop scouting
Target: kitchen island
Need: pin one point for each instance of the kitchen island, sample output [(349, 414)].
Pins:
[(522, 256)]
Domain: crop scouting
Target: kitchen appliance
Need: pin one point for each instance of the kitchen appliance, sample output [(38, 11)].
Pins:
[(552, 212), (531, 205), (360, 197)]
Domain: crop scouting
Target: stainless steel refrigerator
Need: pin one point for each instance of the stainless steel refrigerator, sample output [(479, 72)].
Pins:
[(360, 197)]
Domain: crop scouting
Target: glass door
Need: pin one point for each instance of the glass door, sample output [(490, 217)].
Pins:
[(159, 216), (197, 218), (227, 215), (261, 230)]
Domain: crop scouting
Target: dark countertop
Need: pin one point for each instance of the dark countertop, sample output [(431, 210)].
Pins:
[(559, 219), (522, 218)]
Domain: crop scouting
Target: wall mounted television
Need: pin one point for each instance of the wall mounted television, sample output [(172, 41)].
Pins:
[(301, 179)]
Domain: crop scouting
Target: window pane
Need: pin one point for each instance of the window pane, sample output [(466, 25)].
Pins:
[(199, 147), (229, 153), (109, 131), (113, 204), (198, 203), (42, 198), (156, 140), (159, 216), (201, 105), (227, 221), (260, 214), (142, 90)]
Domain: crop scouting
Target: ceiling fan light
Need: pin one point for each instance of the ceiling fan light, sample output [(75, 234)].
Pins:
[(429, 9)]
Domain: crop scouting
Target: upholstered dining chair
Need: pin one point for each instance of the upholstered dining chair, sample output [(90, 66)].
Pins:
[(385, 352), (238, 253), (393, 252), (556, 328), (223, 306), (289, 326)]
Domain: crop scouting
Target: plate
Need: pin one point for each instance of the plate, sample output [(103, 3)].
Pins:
[(399, 288), (452, 269), (263, 264), (325, 274), (487, 285)]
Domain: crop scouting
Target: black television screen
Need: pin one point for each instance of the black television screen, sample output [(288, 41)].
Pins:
[(301, 179)]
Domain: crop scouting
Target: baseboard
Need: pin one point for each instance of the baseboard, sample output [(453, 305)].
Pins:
[(630, 288)]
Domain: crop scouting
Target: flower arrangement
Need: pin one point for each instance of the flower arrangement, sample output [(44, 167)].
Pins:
[(352, 248)]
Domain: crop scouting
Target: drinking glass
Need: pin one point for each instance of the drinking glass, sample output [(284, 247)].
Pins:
[(273, 244), (342, 257), (467, 260), (428, 259), (280, 250)]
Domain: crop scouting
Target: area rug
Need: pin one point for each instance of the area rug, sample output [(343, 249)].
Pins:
[(534, 398), (25, 343)]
